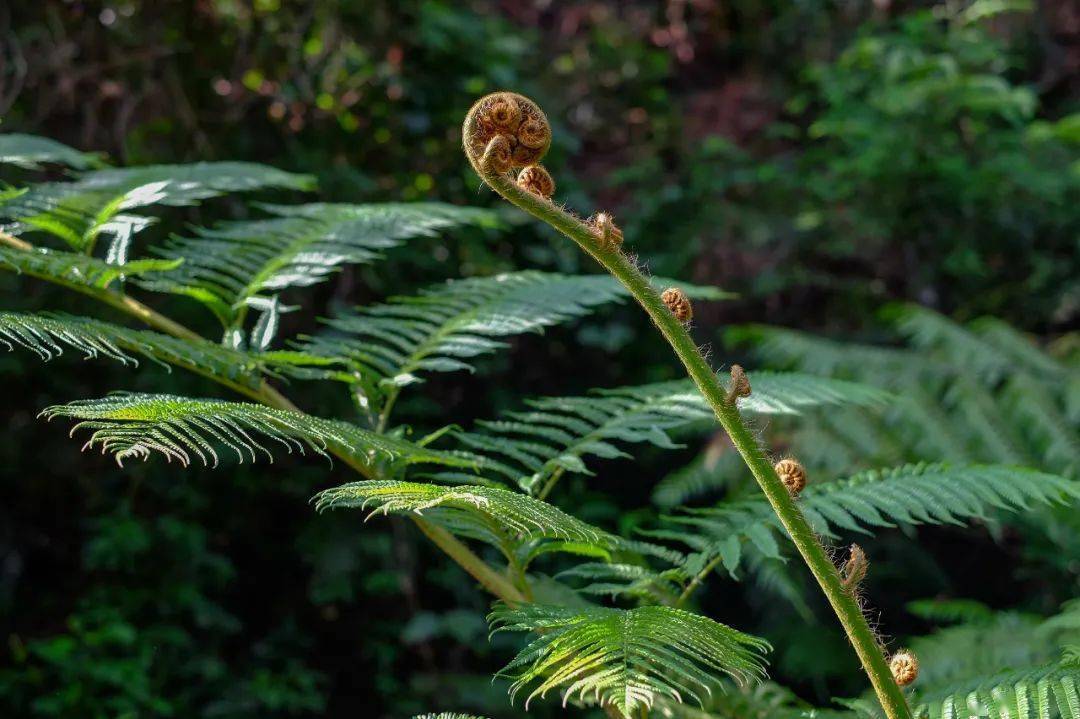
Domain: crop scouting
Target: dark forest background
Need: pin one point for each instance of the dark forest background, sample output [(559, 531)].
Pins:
[(792, 152)]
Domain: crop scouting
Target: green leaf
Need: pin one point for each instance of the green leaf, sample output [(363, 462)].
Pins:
[(79, 211), (626, 658), (908, 495), (69, 268), (557, 433), (47, 334), (301, 245), (31, 152), (137, 425), (486, 513)]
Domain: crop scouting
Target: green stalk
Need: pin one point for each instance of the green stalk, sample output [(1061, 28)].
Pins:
[(622, 268), (483, 573)]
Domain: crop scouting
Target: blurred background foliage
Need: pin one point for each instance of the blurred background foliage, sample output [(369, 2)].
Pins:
[(821, 158)]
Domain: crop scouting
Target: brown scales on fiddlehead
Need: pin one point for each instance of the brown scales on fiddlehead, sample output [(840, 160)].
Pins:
[(679, 304), (536, 180), (740, 384), (792, 474), (607, 231), (854, 569), (904, 667), (517, 119)]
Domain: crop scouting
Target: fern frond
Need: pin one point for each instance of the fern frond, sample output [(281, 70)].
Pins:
[(908, 495), (934, 332), (718, 467), (448, 715), (80, 210), (31, 152), (137, 425), (486, 513), (626, 658), (445, 326), (229, 264), (556, 434), (1031, 693), (72, 269), (48, 334)]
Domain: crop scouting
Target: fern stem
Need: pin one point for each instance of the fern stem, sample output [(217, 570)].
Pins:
[(813, 553), (488, 577), (697, 580)]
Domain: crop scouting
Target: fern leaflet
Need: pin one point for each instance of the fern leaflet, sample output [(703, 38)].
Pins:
[(31, 152), (626, 658)]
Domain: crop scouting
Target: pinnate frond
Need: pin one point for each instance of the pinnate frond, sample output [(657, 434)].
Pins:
[(48, 334), (487, 513), (137, 425), (300, 245), (556, 434), (445, 326), (94, 202), (626, 658), (31, 152), (1046, 692), (907, 495), (72, 269)]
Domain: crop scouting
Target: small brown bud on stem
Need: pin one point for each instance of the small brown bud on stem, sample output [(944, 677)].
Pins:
[(792, 474), (536, 180), (607, 231), (740, 384), (904, 667), (854, 569), (679, 304)]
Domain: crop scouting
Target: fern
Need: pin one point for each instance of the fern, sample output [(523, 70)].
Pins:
[(79, 211), (228, 265), (909, 495), (445, 326), (74, 270), (447, 715), (498, 516), (626, 658), (137, 425), (1030, 693), (47, 334), (31, 152), (558, 433)]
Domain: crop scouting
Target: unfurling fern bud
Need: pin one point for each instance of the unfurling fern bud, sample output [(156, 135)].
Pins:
[(497, 155), (740, 384), (607, 231), (509, 115), (855, 568), (792, 474), (536, 180), (904, 667), (679, 304)]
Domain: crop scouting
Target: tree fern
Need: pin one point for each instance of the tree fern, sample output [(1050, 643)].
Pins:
[(68, 268), (80, 210), (31, 152), (47, 334), (137, 425), (443, 327), (556, 434), (909, 495), (626, 658), (301, 245)]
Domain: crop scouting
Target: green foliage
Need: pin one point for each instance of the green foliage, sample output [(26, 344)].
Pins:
[(137, 425), (233, 265), (908, 495), (76, 270), (30, 152), (556, 434), (625, 658), (497, 515), (79, 211), (47, 334)]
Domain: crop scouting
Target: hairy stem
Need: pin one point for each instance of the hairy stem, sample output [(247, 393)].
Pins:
[(619, 265), (483, 573)]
